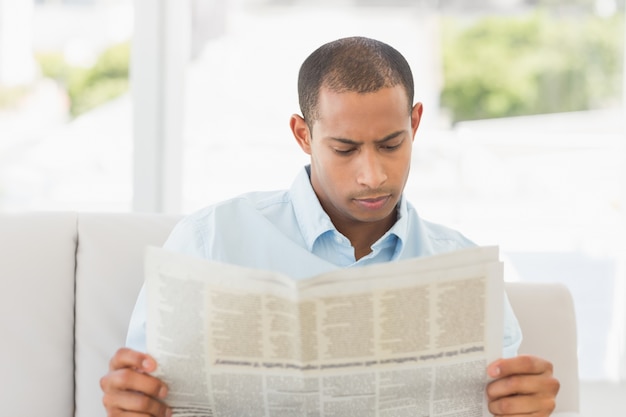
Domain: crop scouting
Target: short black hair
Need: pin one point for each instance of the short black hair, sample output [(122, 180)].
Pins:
[(354, 64)]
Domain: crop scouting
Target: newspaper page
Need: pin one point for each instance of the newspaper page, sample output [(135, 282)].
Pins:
[(408, 338)]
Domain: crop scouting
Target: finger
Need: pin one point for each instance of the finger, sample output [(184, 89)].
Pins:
[(523, 364), (522, 405), (528, 394), (128, 358), (513, 405), (519, 385), (129, 403), (127, 379)]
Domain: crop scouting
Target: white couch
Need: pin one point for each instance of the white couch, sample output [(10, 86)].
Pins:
[(68, 283)]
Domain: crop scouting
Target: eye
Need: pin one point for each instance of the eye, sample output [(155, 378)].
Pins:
[(344, 152), (391, 147)]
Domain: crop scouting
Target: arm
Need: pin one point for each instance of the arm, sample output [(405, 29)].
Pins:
[(524, 385), (130, 390)]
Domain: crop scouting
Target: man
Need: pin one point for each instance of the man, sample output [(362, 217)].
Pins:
[(345, 209)]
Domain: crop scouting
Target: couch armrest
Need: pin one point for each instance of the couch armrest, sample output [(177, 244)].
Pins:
[(37, 314), (546, 315)]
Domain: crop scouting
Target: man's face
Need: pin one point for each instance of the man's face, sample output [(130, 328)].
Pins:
[(360, 149)]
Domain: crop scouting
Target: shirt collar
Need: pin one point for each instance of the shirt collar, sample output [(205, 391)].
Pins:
[(399, 230), (313, 220)]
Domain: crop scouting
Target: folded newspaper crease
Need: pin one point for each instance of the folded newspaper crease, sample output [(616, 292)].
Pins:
[(408, 338)]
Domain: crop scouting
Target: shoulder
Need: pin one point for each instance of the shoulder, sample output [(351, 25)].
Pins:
[(436, 238), (445, 235), (239, 208), (192, 231)]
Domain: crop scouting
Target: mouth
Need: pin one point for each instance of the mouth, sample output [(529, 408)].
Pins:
[(373, 203)]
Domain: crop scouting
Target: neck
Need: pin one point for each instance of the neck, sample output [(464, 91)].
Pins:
[(363, 235)]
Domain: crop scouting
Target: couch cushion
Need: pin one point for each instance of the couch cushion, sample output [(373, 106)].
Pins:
[(37, 314), (108, 278)]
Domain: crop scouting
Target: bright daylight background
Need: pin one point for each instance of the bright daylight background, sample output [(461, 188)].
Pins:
[(522, 144)]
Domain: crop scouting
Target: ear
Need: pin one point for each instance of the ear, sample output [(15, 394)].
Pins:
[(416, 117), (300, 131)]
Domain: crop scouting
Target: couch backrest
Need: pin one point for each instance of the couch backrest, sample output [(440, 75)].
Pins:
[(109, 275)]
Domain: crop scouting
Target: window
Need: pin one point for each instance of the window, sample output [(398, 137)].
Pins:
[(65, 115), (549, 189)]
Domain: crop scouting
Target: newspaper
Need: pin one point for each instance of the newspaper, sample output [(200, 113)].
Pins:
[(407, 338)]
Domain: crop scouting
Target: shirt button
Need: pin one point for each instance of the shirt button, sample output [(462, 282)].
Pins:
[(338, 239)]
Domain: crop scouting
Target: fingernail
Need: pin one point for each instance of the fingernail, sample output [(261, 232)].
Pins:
[(146, 364), (168, 412), (494, 372), (163, 392)]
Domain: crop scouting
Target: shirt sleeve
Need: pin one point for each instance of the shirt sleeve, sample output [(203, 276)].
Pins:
[(512, 331), (136, 335)]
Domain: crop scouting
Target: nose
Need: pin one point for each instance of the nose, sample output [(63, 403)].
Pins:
[(372, 172)]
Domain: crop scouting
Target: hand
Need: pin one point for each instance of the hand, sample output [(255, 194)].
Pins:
[(524, 386), (128, 388)]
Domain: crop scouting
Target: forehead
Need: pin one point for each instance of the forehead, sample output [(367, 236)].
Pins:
[(387, 106), (395, 95)]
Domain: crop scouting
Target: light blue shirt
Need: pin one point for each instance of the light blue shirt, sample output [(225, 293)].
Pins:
[(289, 232)]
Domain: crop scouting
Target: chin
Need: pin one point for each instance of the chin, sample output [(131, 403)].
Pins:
[(373, 217)]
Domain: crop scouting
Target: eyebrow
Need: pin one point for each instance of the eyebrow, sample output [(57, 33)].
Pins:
[(378, 141)]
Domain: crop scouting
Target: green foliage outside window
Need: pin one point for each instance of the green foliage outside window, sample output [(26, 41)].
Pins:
[(539, 63), (88, 88), (493, 67), (10, 96)]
